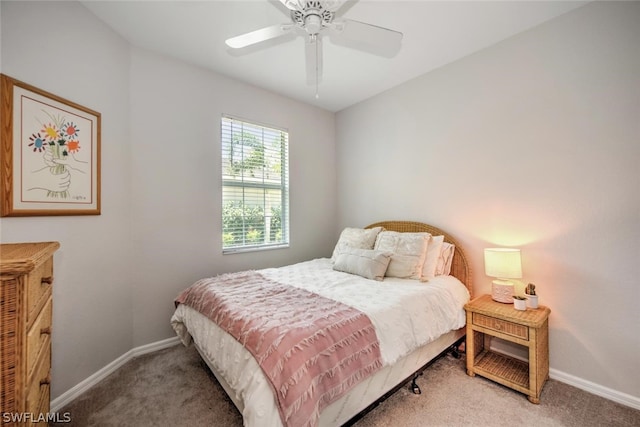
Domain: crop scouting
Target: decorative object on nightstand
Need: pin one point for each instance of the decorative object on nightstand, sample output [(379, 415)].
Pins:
[(519, 302), (529, 328), (532, 297), (503, 264)]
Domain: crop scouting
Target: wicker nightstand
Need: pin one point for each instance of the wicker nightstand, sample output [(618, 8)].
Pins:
[(487, 318)]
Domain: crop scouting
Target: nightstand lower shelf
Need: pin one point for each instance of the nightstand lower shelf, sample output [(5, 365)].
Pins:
[(503, 369)]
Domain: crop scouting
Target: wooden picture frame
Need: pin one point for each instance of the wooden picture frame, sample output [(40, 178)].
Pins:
[(49, 153)]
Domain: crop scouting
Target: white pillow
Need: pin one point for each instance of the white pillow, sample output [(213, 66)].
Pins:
[(359, 238), (445, 259), (367, 263), (408, 252), (431, 260)]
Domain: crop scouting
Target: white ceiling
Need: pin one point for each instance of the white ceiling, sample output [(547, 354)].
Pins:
[(435, 33)]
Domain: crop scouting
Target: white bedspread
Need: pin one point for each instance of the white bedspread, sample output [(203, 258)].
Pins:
[(406, 314)]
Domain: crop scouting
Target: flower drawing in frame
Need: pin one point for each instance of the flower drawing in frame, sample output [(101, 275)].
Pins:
[(53, 148)]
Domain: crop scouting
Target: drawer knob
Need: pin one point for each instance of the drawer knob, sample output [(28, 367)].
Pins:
[(46, 380), (47, 280), (45, 331), (497, 326)]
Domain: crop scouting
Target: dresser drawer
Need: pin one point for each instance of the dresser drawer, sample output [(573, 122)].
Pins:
[(503, 326), (38, 393), (39, 337), (38, 288)]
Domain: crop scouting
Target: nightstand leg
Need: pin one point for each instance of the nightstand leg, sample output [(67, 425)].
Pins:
[(470, 347)]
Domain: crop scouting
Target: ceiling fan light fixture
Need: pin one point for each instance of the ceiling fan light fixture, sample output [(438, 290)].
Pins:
[(313, 17), (312, 23)]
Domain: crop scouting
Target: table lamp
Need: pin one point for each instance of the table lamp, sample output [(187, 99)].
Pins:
[(503, 264)]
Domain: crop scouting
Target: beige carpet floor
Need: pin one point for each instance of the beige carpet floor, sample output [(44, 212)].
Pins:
[(172, 387)]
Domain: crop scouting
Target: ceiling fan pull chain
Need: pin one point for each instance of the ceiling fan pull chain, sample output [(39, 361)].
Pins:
[(317, 59)]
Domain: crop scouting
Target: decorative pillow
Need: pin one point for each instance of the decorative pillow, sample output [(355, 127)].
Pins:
[(431, 260), (408, 252), (359, 238), (445, 259), (367, 263)]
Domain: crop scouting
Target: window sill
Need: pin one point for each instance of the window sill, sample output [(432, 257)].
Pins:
[(230, 251)]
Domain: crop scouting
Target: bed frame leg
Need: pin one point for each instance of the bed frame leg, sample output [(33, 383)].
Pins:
[(457, 348), (454, 351), (415, 388)]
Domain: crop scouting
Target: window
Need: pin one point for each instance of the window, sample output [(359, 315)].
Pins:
[(255, 186)]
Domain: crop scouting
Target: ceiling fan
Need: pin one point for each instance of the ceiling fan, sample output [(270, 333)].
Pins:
[(315, 18)]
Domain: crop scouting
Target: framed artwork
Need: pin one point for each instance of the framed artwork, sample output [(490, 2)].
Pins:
[(49, 153)]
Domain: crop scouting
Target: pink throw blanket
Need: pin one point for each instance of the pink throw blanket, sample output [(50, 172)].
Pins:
[(312, 349)]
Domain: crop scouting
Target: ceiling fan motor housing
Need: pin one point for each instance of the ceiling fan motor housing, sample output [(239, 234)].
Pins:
[(313, 17)]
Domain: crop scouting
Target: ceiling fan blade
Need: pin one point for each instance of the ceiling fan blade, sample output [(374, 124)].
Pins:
[(366, 37), (291, 4), (313, 53), (258, 36), (278, 4)]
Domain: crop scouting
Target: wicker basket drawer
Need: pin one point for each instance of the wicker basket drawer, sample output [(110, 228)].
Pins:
[(38, 393), (38, 287), (502, 326), (38, 337)]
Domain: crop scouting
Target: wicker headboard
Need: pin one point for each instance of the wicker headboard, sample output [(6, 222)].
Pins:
[(460, 267)]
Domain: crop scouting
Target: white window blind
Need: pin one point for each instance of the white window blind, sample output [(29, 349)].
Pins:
[(255, 186)]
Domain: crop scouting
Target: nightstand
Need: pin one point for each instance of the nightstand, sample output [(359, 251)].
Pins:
[(487, 318)]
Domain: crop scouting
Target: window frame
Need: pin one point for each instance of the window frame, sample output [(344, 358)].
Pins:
[(226, 122)]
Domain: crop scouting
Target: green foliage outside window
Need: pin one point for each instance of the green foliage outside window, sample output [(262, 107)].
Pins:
[(245, 225)]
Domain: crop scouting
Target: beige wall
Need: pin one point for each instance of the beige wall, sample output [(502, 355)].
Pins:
[(532, 143)]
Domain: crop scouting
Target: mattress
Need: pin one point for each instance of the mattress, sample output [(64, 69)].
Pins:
[(414, 322)]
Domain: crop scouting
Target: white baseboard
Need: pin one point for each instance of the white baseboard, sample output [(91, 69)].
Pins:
[(563, 377), (70, 395), (597, 389)]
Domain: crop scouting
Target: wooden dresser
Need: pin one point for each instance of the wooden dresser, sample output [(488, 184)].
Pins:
[(26, 275)]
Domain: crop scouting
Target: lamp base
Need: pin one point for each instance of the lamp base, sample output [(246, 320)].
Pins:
[(502, 291)]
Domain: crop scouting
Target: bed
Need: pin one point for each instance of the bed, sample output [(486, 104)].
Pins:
[(436, 327)]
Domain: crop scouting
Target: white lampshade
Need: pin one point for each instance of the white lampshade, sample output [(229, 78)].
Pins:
[(503, 264)]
